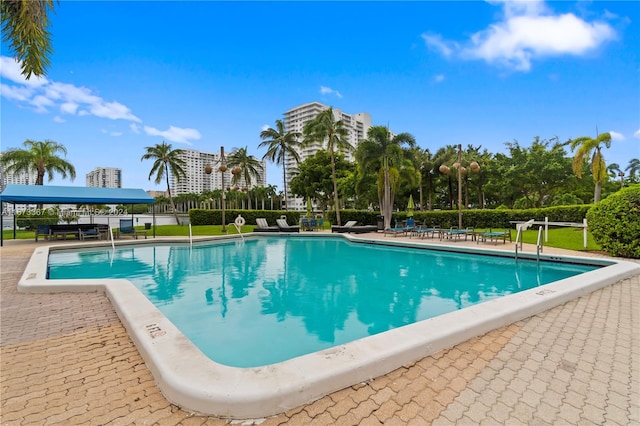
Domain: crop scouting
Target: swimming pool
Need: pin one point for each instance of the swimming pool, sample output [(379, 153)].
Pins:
[(269, 300), (192, 381)]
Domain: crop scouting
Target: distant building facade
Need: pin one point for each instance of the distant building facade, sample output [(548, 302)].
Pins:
[(22, 178), (294, 121), (104, 177), (198, 181)]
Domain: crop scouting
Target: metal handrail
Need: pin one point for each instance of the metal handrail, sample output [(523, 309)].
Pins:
[(539, 244)]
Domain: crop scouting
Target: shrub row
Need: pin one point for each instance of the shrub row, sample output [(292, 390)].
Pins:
[(472, 218), (214, 217)]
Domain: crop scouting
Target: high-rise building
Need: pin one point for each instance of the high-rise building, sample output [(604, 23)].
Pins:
[(21, 178), (104, 177), (198, 181), (294, 121)]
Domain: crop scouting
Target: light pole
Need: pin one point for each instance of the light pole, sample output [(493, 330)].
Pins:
[(474, 166), (222, 168)]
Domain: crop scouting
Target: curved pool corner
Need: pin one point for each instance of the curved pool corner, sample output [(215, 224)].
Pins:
[(189, 379)]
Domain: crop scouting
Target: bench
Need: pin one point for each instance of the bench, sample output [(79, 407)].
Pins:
[(79, 231)]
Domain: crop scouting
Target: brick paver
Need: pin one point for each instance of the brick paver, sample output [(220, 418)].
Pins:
[(66, 359)]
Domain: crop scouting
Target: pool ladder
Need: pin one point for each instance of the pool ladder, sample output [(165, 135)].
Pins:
[(538, 243)]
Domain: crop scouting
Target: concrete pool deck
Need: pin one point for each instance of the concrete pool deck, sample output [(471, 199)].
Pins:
[(67, 359)]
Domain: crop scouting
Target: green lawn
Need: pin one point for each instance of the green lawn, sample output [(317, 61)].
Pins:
[(565, 238)]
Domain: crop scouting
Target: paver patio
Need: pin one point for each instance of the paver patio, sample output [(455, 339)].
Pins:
[(66, 359)]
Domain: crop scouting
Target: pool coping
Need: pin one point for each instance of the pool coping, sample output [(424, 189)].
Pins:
[(189, 379)]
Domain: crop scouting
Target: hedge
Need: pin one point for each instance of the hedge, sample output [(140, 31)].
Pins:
[(472, 218), (214, 217), (615, 223)]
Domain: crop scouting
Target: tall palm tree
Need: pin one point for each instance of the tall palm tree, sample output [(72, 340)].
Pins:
[(280, 145), (325, 128), (166, 160), (249, 167), (40, 158), (633, 168), (384, 152), (585, 147), (24, 25)]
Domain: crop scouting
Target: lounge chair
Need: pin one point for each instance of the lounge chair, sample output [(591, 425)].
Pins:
[(285, 227), (263, 226), (408, 227), (343, 228), (424, 231), (494, 236), (455, 233)]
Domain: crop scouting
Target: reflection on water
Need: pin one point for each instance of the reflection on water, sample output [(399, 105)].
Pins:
[(272, 299)]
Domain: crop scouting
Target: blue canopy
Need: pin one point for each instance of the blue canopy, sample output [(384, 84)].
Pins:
[(50, 194)]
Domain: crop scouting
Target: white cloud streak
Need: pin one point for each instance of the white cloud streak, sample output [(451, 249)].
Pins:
[(324, 90), (528, 31), (175, 134), (637, 134), (44, 96)]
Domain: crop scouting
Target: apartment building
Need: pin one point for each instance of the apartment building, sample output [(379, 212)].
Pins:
[(104, 177), (22, 178), (198, 181), (295, 120)]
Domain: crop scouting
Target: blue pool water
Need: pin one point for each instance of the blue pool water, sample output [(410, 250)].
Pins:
[(271, 299)]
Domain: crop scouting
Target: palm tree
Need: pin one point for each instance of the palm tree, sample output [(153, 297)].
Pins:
[(384, 152), (325, 128), (280, 145), (166, 160), (615, 172), (585, 146), (633, 168), (40, 158), (24, 25), (249, 168)]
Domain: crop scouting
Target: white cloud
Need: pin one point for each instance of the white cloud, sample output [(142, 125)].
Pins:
[(106, 132), (69, 108), (265, 127), (134, 128), (435, 41), (439, 78), (175, 134), (44, 95), (324, 90), (10, 69), (637, 134), (59, 119), (528, 31), (615, 136), (113, 110), (22, 94)]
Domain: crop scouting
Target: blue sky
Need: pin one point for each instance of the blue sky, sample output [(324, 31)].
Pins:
[(126, 75)]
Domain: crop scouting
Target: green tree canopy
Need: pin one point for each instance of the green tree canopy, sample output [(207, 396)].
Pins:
[(25, 29), (41, 158)]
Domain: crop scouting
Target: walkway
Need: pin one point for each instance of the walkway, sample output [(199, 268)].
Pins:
[(66, 359)]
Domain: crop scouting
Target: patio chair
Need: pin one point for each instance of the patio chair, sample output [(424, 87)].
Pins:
[(86, 234), (263, 226), (285, 227), (126, 228)]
